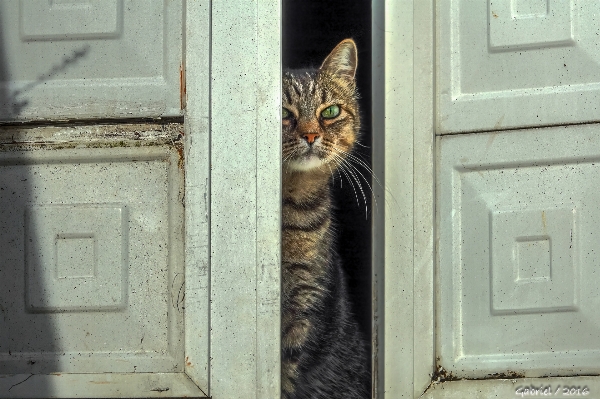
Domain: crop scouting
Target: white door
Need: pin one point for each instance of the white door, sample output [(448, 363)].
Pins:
[(517, 210), (494, 106), (66, 59), (92, 214), (121, 244)]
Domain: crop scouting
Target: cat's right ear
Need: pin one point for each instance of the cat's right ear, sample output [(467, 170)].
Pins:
[(342, 60)]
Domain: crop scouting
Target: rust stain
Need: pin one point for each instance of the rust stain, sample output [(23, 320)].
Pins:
[(187, 362), (442, 375), (180, 163), (182, 88), (544, 220), (177, 144), (494, 14)]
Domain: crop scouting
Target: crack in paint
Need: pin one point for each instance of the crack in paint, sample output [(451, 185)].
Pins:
[(19, 383)]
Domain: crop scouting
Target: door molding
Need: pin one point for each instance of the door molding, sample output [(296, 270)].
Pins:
[(233, 192), (403, 234)]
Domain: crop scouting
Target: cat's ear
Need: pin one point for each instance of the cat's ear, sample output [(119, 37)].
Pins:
[(342, 60)]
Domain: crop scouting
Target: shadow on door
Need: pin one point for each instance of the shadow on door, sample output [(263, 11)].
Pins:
[(29, 342)]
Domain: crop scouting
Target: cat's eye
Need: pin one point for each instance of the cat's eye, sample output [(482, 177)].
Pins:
[(285, 113), (330, 112)]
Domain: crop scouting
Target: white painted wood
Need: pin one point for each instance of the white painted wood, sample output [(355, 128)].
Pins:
[(91, 252), (105, 385), (581, 387), (516, 209), (393, 257), (244, 199), (197, 192), (403, 231), (424, 245), (268, 189), (518, 238), (403, 307), (93, 59), (378, 165), (118, 188), (232, 200), (510, 64)]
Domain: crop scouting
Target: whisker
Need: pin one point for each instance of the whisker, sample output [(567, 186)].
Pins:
[(348, 164), (332, 173), (361, 163), (355, 159), (347, 176), (348, 161), (352, 171)]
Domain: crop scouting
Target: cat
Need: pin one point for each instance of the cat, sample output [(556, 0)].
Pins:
[(324, 354)]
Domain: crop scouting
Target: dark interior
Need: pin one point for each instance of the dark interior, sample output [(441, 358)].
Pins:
[(311, 29)]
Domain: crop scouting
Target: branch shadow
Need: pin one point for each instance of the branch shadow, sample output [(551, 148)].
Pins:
[(29, 341), (13, 102), (15, 105)]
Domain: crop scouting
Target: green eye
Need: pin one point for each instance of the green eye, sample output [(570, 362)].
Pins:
[(285, 113), (330, 112)]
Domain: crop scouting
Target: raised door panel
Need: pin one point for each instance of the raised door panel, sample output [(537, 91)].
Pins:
[(67, 59), (516, 63), (92, 254), (518, 223)]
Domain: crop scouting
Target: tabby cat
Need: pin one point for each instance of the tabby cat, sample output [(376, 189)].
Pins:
[(324, 354)]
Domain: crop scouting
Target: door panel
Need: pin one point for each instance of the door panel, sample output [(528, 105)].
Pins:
[(104, 385), (90, 59), (508, 64), (517, 210), (69, 20), (92, 247), (518, 221), (513, 214)]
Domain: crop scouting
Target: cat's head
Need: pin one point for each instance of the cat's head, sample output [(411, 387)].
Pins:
[(320, 119)]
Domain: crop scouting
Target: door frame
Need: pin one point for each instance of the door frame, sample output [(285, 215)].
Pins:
[(404, 227), (233, 191)]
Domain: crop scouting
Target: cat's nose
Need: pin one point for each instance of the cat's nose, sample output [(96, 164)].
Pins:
[(311, 137)]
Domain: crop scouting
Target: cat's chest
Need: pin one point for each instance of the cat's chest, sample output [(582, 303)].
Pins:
[(300, 187)]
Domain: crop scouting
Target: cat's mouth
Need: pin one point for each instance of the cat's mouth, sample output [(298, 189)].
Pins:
[(307, 161)]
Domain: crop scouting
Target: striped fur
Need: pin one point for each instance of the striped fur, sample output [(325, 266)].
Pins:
[(324, 355)]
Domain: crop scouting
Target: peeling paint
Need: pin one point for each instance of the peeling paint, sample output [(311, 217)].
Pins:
[(506, 375), (90, 136), (441, 375), (182, 88), (544, 221), (179, 148)]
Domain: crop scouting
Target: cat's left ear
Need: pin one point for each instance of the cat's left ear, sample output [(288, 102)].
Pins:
[(342, 60)]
